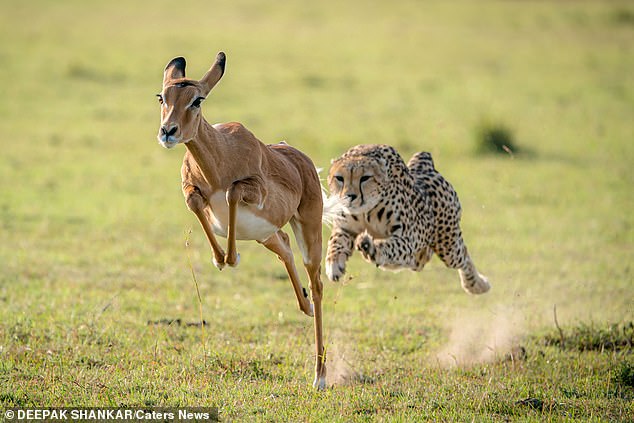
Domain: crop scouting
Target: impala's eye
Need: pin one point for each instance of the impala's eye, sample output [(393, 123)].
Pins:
[(196, 103), (364, 178), (160, 98), (339, 178)]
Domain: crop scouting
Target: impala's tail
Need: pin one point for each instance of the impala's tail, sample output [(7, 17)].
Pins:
[(332, 209)]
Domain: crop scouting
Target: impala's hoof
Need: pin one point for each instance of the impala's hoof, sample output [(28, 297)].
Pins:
[(311, 310), (319, 383), (219, 264), (233, 263)]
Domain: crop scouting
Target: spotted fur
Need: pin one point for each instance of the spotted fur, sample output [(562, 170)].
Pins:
[(396, 215)]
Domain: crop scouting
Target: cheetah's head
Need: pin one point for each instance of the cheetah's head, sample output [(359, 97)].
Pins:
[(358, 182)]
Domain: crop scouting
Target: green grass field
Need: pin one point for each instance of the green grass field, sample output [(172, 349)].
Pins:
[(93, 263)]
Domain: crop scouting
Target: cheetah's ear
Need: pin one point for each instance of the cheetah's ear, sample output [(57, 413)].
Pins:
[(336, 161), (333, 163), (379, 166)]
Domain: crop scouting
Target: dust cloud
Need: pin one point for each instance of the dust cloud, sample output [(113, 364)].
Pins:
[(340, 369), (481, 337)]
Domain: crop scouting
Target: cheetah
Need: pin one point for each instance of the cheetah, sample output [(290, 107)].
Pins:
[(396, 215)]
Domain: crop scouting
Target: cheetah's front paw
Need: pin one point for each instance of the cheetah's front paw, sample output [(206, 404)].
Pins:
[(336, 267), (365, 245)]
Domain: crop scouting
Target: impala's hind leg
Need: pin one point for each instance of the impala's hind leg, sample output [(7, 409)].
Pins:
[(308, 236), (453, 252), (278, 243)]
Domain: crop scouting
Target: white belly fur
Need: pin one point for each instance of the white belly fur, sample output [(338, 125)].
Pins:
[(248, 225)]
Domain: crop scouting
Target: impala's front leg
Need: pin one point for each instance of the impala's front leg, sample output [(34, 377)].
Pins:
[(249, 191), (234, 196), (197, 204)]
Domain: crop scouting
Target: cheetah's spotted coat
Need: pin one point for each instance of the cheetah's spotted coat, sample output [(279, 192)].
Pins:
[(396, 215)]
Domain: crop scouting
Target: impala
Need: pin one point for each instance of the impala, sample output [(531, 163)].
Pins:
[(240, 188)]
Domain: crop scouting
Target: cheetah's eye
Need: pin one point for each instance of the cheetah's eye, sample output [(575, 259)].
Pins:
[(339, 178), (364, 178)]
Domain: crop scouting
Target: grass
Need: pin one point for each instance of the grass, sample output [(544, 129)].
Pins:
[(92, 221), (589, 337)]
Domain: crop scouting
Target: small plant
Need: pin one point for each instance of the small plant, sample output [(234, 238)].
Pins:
[(494, 137), (625, 375), (623, 17), (590, 337)]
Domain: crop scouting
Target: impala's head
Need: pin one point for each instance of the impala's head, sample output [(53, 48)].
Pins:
[(180, 100)]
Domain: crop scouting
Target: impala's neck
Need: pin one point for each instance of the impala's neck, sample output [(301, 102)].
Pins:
[(207, 148)]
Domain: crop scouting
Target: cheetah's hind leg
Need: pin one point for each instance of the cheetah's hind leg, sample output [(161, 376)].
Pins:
[(455, 255), (472, 281)]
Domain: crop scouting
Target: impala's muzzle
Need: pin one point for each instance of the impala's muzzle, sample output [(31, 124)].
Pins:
[(167, 136)]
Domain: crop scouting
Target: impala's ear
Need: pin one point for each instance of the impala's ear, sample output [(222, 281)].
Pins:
[(175, 69), (214, 74)]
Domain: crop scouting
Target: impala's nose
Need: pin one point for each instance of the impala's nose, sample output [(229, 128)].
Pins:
[(170, 132)]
